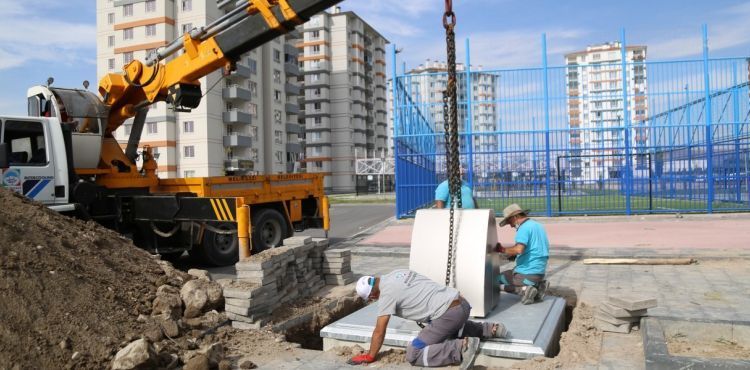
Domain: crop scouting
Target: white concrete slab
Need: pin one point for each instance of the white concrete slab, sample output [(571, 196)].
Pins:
[(534, 329), (475, 265)]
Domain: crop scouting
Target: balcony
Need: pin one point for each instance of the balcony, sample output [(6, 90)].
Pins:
[(293, 147), (291, 69), (292, 108), (239, 164), (291, 49), (239, 140), (236, 93), (294, 34), (292, 89), (294, 128), (241, 72), (236, 116)]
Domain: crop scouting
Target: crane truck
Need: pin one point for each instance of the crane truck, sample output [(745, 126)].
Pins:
[(64, 153)]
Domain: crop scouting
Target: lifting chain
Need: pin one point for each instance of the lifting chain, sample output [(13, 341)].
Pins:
[(450, 118)]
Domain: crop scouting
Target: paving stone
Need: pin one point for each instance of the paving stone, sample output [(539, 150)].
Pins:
[(243, 290), (619, 312), (252, 265), (263, 280), (337, 252), (599, 315), (337, 271), (605, 326), (337, 264), (320, 242), (297, 240), (632, 302)]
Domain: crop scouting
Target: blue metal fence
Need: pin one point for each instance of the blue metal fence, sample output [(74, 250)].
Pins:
[(574, 139)]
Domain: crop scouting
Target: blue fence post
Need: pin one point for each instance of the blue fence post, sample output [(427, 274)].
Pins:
[(736, 131), (470, 119), (689, 122), (546, 127), (626, 123), (709, 117), (396, 127)]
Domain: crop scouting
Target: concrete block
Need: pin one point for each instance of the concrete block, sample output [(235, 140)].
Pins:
[(605, 326), (619, 312), (263, 280), (337, 252), (249, 274), (340, 271), (253, 265), (244, 290), (297, 240), (336, 265), (632, 302), (320, 242), (599, 315), (246, 319)]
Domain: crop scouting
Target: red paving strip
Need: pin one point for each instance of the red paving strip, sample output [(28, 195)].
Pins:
[(677, 234)]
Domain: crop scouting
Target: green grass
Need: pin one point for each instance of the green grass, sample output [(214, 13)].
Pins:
[(600, 203), (362, 199)]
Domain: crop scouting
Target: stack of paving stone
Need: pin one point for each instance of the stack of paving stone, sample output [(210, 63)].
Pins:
[(619, 314), (337, 266), (271, 278)]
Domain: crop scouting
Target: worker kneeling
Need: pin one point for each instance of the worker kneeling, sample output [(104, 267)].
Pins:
[(449, 337)]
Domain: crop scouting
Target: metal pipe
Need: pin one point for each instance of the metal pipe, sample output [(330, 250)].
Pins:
[(243, 231)]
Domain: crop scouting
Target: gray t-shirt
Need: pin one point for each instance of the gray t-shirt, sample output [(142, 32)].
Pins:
[(411, 296)]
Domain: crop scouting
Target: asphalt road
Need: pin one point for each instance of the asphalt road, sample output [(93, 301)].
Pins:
[(347, 220)]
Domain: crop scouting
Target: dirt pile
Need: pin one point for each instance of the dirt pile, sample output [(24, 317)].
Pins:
[(74, 293)]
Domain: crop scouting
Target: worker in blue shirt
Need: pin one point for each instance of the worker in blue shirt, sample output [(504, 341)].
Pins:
[(531, 252), (443, 197)]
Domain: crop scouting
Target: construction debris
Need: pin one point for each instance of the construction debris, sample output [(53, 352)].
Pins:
[(623, 312)]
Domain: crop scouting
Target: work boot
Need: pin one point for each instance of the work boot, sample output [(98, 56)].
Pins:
[(528, 294), (469, 353), (542, 290)]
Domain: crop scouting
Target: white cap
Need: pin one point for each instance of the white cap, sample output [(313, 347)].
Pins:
[(363, 286)]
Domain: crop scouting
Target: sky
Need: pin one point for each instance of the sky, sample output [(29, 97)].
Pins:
[(56, 38)]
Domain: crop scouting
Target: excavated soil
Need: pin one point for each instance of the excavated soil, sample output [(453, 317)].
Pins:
[(67, 286), (321, 312)]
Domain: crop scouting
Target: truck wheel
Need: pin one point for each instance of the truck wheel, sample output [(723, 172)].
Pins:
[(220, 249), (269, 230)]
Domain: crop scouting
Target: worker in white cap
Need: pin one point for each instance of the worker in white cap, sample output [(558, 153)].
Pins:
[(449, 337), (530, 251)]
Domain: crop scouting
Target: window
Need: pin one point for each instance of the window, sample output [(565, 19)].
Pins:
[(277, 76), (127, 57), (253, 86), (318, 121), (252, 108), (110, 41), (187, 5), (111, 64), (314, 77), (316, 92), (253, 65), (187, 27), (187, 126), (151, 30), (316, 49), (127, 34), (315, 35), (315, 136), (276, 55), (318, 165), (189, 173), (277, 95), (26, 143), (150, 6), (111, 18), (188, 151), (278, 137), (152, 128), (317, 106), (127, 10), (279, 157), (316, 150), (277, 116)]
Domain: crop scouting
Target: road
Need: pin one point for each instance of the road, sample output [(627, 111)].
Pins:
[(347, 220)]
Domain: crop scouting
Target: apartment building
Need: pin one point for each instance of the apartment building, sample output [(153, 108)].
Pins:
[(427, 83), (342, 59), (596, 106), (247, 122)]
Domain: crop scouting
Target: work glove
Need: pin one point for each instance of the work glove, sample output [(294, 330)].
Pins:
[(361, 359)]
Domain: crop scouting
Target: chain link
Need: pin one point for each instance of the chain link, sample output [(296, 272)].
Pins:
[(450, 118)]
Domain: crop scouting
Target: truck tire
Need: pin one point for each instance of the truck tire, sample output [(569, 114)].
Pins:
[(219, 249), (269, 230)]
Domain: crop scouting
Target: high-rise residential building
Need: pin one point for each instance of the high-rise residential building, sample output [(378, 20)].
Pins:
[(596, 106), (427, 83), (246, 123), (343, 62)]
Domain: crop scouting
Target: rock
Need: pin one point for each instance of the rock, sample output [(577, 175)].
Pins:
[(65, 344), (279, 339), (153, 332), (172, 272), (200, 274), (225, 365), (198, 362), (248, 365), (170, 328), (168, 361), (139, 354), (200, 296), (142, 318), (214, 353), (167, 302), (224, 282), (76, 356)]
